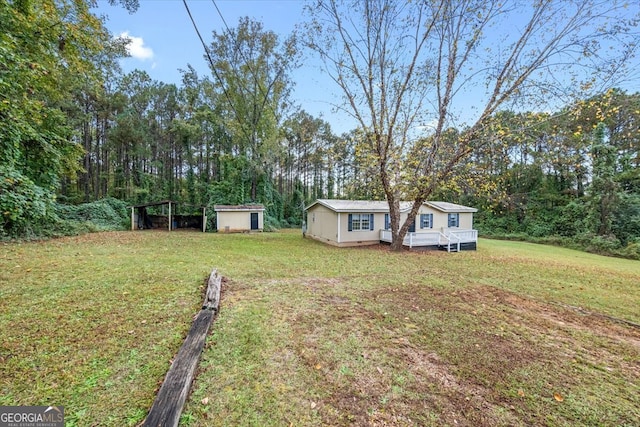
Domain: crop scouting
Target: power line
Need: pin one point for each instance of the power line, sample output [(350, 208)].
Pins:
[(254, 74), (213, 68)]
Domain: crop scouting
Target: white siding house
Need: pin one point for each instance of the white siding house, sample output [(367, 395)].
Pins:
[(363, 222)]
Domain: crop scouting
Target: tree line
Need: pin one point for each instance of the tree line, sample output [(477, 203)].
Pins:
[(570, 177), (75, 130)]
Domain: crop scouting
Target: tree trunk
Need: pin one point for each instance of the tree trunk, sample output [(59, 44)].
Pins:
[(397, 238), (394, 218)]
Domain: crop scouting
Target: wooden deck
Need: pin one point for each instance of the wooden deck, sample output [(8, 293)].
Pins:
[(449, 240)]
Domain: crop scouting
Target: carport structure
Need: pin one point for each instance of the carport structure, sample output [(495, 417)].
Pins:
[(167, 214)]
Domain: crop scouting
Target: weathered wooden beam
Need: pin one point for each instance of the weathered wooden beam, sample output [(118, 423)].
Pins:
[(212, 296), (167, 407)]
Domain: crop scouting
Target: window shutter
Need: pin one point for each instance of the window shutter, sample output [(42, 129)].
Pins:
[(422, 218), (371, 222), (430, 220), (350, 227)]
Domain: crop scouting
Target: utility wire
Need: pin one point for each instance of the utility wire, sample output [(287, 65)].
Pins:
[(265, 96), (230, 34), (213, 68)]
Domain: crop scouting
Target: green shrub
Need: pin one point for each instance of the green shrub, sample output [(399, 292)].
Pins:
[(487, 223), (271, 223), (539, 229), (571, 219), (631, 251), (105, 214), (60, 228), (25, 208), (211, 219), (604, 244)]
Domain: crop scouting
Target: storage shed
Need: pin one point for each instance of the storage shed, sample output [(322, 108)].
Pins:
[(239, 218)]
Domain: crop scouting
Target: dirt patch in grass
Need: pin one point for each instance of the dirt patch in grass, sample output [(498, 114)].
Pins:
[(479, 356), (560, 332), (555, 316)]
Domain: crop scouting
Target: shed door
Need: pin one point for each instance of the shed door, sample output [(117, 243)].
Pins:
[(254, 220)]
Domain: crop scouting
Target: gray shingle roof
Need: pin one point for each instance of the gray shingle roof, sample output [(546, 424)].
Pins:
[(353, 205), (239, 208), (450, 207), (382, 206)]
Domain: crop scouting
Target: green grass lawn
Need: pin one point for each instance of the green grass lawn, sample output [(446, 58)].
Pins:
[(309, 334)]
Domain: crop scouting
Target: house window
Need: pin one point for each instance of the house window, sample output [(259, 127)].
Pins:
[(360, 222), (364, 222), (387, 222), (426, 220), (454, 220)]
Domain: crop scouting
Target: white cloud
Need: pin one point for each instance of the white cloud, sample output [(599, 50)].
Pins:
[(427, 126), (136, 47)]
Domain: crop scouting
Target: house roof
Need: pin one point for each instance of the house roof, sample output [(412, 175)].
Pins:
[(450, 207), (238, 208), (352, 205), (383, 206)]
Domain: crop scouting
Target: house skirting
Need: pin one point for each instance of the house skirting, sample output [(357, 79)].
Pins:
[(471, 246), (343, 244)]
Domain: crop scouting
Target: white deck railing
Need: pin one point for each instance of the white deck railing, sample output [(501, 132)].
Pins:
[(465, 236), (435, 238), (448, 240), (385, 236)]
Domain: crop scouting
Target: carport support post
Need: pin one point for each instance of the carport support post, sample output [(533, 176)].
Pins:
[(132, 218), (169, 216), (204, 220)]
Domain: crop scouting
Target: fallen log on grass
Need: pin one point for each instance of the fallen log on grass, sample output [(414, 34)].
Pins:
[(173, 393)]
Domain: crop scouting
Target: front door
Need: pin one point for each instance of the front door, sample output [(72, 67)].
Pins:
[(254, 220), (412, 227)]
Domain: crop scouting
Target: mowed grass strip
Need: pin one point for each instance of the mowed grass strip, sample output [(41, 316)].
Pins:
[(314, 335), (92, 322)]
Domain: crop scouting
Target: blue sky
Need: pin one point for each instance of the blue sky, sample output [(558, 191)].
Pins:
[(164, 41)]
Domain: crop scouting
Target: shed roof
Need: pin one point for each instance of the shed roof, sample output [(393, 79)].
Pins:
[(382, 206), (161, 202), (238, 208), (166, 202)]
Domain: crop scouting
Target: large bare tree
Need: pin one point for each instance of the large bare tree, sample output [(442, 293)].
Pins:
[(411, 71)]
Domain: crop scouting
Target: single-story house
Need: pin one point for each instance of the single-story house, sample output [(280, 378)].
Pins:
[(363, 222), (239, 218)]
